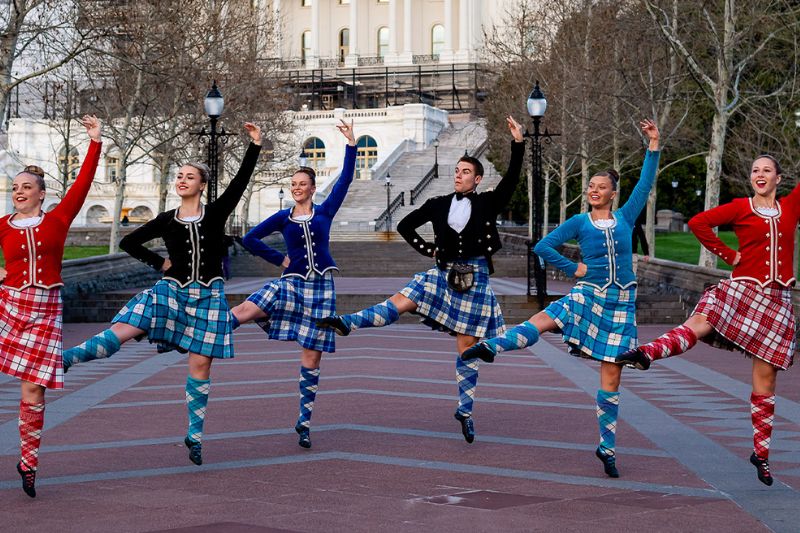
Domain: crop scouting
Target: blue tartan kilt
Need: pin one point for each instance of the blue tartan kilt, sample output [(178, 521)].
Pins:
[(193, 319), (596, 323), (474, 312), (293, 305)]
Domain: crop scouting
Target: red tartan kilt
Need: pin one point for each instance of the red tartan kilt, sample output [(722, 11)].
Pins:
[(30, 335), (758, 321)]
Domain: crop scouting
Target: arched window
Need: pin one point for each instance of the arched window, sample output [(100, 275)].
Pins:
[(383, 41), (95, 214), (140, 214), (315, 152), (437, 39), (344, 44), (366, 152), (305, 46), (69, 164)]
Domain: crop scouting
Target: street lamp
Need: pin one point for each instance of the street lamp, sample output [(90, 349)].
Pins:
[(280, 199), (214, 103), (537, 105), (674, 184), (303, 157), (388, 202), (436, 158)]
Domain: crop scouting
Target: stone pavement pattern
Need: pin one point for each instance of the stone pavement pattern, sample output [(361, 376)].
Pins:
[(387, 454)]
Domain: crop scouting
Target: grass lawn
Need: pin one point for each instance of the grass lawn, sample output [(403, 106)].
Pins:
[(685, 248), (76, 252)]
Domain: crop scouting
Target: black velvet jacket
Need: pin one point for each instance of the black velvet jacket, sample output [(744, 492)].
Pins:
[(479, 237), (194, 248)]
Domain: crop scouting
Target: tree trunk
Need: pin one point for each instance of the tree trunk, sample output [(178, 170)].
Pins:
[(163, 181), (245, 212), (714, 165), (546, 204), (119, 197)]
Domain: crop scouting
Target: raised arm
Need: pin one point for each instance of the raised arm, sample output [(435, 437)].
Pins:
[(703, 224), (339, 190), (638, 198), (546, 248), (233, 193), (252, 240), (505, 189), (407, 228), (133, 243), (72, 202)]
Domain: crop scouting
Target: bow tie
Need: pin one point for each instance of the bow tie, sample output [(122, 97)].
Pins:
[(468, 195)]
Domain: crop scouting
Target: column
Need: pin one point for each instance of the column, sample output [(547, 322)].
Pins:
[(391, 57), (464, 33), (447, 53), (407, 57), (352, 58), (313, 59)]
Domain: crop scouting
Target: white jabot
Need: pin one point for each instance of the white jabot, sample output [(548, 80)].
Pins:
[(301, 217), (191, 219), (25, 222), (460, 211), (604, 222), (767, 211)]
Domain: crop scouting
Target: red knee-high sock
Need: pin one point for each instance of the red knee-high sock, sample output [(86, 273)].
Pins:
[(673, 342), (31, 421), (762, 414)]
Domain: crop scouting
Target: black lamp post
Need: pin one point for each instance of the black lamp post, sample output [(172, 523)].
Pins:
[(537, 105), (436, 158), (303, 157), (674, 184), (280, 199), (388, 202), (213, 104)]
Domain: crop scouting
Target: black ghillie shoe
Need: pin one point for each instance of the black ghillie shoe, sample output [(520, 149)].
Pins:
[(635, 359), (195, 451), (481, 351), (305, 436), (467, 426), (762, 467), (336, 323), (609, 463), (28, 480)]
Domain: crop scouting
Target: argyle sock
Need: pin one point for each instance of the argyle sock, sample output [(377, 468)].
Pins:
[(309, 381), (377, 316), (31, 421), (675, 341), (467, 380), (104, 344), (607, 410), (516, 338), (762, 414), (196, 401)]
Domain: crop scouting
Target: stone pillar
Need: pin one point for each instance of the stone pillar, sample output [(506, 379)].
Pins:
[(312, 61), (391, 57), (407, 57), (447, 54), (352, 58)]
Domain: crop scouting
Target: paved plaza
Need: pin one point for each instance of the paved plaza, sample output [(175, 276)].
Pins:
[(387, 454)]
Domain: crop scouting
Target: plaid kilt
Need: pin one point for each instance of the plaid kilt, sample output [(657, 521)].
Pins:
[(193, 319), (596, 323), (293, 305), (751, 319), (30, 335), (474, 312)]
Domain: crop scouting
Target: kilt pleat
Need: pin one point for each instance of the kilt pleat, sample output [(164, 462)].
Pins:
[(193, 319), (755, 320), (293, 305), (475, 312), (31, 335), (596, 323)]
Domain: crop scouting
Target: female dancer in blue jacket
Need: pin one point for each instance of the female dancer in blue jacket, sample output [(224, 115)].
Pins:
[(598, 317), (288, 308)]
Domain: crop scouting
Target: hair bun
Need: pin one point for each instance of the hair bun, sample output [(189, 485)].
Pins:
[(35, 170), (613, 174)]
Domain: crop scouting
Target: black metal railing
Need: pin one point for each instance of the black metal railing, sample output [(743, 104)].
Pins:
[(423, 184), (384, 220)]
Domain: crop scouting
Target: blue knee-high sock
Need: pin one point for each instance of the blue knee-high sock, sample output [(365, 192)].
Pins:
[(467, 380), (309, 382), (377, 316), (234, 322), (515, 338), (196, 401), (607, 411), (102, 345)]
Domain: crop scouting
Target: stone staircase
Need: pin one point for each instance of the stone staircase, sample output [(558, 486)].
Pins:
[(366, 200)]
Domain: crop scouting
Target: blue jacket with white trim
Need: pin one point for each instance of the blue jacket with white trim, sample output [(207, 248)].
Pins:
[(307, 241), (607, 252)]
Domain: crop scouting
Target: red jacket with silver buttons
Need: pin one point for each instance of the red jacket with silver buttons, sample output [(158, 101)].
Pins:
[(33, 254), (765, 242)]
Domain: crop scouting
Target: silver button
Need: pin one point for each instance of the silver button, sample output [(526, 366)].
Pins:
[(38, 257), (488, 236), (489, 248), (25, 260), (415, 240)]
